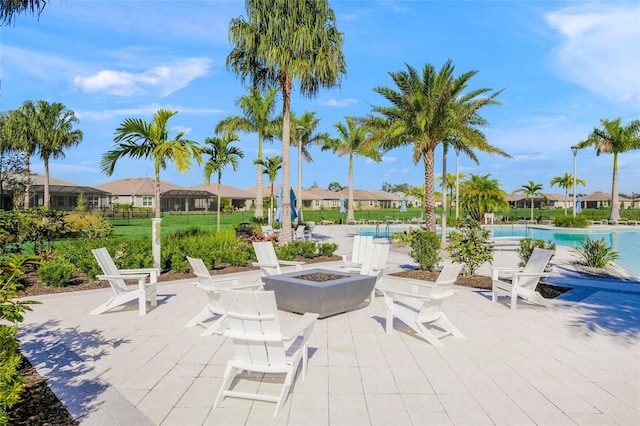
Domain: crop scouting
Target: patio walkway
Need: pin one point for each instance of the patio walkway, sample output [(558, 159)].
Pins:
[(577, 362)]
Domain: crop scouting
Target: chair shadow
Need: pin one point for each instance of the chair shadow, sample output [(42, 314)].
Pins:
[(64, 356), (132, 305)]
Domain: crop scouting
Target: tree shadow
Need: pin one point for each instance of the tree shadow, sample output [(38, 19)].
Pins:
[(65, 357), (607, 312)]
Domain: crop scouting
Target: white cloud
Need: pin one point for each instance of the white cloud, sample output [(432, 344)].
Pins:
[(395, 172), (338, 103), (164, 79), (386, 159), (599, 48), (147, 111)]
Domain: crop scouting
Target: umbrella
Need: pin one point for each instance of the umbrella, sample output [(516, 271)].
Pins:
[(292, 198), (342, 209), (278, 217), (578, 205), (403, 205)]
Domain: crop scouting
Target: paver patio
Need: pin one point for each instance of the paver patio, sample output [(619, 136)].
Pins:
[(577, 362)]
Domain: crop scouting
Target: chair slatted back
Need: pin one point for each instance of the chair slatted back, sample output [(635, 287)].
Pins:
[(266, 255), (446, 278), (536, 264), (361, 244), (109, 268), (299, 233), (254, 327), (375, 259), (201, 271)]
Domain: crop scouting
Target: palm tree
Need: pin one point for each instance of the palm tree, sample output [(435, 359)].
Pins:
[(566, 182), (614, 138), (282, 41), (428, 110), (352, 140), (54, 133), (271, 166), (303, 131), (221, 154), (451, 185), (136, 138), (257, 108), (10, 9), (480, 194), (20, 131), (531, 190)]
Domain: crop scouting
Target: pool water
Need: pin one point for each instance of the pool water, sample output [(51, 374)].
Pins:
[(625, 241)]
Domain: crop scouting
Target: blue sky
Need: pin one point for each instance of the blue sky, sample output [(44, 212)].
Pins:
[(563, 66)]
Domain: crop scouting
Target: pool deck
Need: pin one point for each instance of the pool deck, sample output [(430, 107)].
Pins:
[(576, 362)]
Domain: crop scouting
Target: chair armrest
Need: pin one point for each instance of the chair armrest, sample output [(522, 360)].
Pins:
[(266, 265), (122, 277), (154, 273), (290, 263), (299, 327)]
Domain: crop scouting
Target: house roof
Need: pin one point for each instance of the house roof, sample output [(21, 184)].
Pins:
[(137, 186), (62, 186), (227, 191), (601, 196)]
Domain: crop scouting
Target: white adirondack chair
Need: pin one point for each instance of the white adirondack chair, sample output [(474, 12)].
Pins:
[(374, 262), (419, 305), (123, 293), (268, 261), (523, 281), (260, 345), (300, 234), (362, 246), (211, 287)]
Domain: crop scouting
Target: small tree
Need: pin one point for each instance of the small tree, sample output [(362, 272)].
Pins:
[(471, 246), (425, 249), (82, 205)]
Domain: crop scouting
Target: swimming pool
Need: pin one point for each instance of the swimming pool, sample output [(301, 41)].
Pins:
[(625, 241)]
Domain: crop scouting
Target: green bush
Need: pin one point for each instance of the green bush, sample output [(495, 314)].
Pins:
[(471, 246), (56, 273), (528, 244), (596, 253), (570, 221), (327, 249), (425, 249), (11, 380)]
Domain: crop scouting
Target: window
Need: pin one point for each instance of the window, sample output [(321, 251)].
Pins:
[(147, 201)]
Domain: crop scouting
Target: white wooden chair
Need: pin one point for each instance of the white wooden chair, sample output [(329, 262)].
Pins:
[(362, 246), (419, 305), (300, 234), (523, 281), (123, 293), (211, 287), (268, 261), (374, 262), (260, 345)]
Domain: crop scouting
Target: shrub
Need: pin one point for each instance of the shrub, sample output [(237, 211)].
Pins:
[(528, 244), (425, 249), (471, 246), (88, 225), (570, 221), (327, 249), (596, 253), (56, 273)]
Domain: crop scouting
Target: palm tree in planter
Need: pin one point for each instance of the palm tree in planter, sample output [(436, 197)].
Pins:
[(281, 41), (221, 154), (271, 166), (352, 141), (614, 138), (531, 190), (566, 182), (136, 138), (257, 108)]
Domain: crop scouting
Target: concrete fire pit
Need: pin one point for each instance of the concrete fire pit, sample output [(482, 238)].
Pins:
[(302, 291)]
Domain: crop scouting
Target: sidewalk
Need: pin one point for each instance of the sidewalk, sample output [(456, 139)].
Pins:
[(577, 362)]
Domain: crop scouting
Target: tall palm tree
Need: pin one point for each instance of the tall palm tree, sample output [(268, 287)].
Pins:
[(531, 190), (614, 138), (257, 108), (20, 131), (282, 41), (427, 110), (221, 154), (54, 133), (304, 134), (271, 166), (10, 9), (136, 138), (566, 182), (480, 194), (352, 140)]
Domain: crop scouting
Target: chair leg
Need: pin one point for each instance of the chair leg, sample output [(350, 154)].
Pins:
[(285, 388), (514, 299), (446, 325), (229, 373), (215, 327)]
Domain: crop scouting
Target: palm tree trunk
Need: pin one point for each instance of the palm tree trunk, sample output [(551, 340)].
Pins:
[(156, 194), (531, 206), (429, 189), (27, 195), (615, 204), (218, 218), (285, 234), (566, 195), (443, 236), (259, 182), (350, 214), (47, 204)]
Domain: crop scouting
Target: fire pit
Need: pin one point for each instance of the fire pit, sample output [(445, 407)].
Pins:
[(320, 291)]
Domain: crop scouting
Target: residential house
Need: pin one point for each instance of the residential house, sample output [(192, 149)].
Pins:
[(597, 200), (63, 195)]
